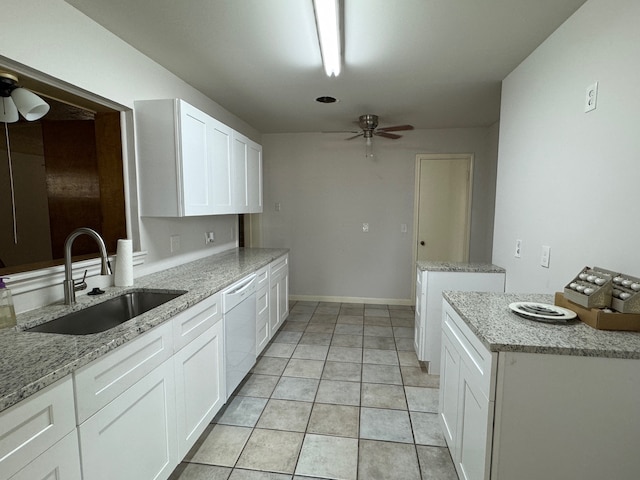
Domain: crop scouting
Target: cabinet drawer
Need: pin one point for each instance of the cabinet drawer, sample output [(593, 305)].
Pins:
[(473, 353), (29, 428), (191, 323), (62, 461), (279, 265), (107, 377), (262, 277)]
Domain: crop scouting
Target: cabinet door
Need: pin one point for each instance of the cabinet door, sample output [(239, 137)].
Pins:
[(220, 161), (283, 296), (449, 387), (200, 392), (254, 177), (239, 173), (473, 429), (60, 462), (279, 295), (134, 436), (418, 339), (197, 174), (262, 319)]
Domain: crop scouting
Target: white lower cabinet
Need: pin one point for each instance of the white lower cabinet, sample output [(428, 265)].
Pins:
[(466, 411), (200, 389), (143, 406), (279, 293), (134, 436), (33, 427), (428, 319)]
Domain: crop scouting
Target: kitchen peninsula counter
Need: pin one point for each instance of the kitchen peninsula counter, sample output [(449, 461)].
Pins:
[(31, 361), (500, 330), (530, 400)]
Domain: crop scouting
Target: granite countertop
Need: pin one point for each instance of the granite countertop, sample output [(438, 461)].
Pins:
[(500, 330), (433, 266), (31, 361)]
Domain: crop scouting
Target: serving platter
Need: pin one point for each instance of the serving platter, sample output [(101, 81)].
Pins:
[(542, 312)]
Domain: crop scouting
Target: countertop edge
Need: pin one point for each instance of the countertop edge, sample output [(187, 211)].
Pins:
[(598, 349)]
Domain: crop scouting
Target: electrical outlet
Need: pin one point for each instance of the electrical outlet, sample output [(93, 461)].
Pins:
[(591, 97), (174, 243), (278, 206), (403, 228), (365, 227), (208, 237), (518, 252), (545, 256)]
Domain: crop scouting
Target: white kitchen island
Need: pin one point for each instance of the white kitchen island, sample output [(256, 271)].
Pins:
[(431, 280), (526, 400)]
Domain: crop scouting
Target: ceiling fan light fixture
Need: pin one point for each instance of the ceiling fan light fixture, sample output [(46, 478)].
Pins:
[(17, 99), (8, 110), (327, 14), (30, 105)]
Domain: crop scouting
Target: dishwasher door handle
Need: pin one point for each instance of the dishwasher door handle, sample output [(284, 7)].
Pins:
[(240, 289)]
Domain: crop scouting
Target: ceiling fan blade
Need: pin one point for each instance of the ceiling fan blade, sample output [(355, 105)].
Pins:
[(392, 136), (340, 131), (396, 128), (355, 136)]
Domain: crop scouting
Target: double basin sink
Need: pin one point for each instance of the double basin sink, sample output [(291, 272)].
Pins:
[(108, 314)]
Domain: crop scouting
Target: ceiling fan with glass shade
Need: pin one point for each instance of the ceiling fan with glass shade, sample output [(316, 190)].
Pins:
[(16, 99), (369, 128)]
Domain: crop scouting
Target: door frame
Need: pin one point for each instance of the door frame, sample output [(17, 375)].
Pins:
[(416, 204)]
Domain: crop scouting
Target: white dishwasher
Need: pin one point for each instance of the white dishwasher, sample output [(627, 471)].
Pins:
[(239, 311)]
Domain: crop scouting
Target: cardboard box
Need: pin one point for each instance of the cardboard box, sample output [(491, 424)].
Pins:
[(596, 318)]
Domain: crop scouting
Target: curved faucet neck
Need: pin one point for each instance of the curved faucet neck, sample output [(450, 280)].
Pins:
[(69, 284)]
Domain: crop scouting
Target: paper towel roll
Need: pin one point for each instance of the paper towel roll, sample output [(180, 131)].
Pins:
[(124, 264)]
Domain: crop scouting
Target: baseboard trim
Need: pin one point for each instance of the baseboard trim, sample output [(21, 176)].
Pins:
[(372, 301)]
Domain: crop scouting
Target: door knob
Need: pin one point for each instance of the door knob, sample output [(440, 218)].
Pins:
[(422, 243)]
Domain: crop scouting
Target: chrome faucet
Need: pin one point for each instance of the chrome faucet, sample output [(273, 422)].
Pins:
[(71, 285)]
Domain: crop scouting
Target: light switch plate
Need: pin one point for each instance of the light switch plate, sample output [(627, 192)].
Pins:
[(545, 256)]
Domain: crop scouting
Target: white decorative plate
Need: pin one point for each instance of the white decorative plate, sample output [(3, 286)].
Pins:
[(542, 312)]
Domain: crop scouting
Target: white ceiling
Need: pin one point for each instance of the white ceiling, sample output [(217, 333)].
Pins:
[(430, 63)]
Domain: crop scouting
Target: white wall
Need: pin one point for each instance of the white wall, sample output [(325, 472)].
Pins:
[(327, 189), (566, 178), (53, 38)]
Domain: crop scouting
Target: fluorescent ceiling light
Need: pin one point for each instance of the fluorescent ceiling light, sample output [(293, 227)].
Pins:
[(328, 24)]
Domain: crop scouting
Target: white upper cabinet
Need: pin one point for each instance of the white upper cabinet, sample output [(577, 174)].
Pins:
[(189, 164), (247, 174), (254, 177)]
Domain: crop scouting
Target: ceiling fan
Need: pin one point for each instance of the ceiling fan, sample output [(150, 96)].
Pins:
[(369, 125)]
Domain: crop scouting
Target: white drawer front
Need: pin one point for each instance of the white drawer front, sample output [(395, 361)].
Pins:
[(262, 277), (99, 382), (35, 424), (62, 461), (191, 323), (279, 265), (473, 353)]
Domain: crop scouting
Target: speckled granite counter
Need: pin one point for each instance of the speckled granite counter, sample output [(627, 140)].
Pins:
[(432, 266), (499, 329), (30, 361)]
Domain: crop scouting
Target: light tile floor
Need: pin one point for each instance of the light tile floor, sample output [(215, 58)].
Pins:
[(338, 393)]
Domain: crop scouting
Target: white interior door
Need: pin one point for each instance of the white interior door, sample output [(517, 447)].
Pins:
[(444, 207)]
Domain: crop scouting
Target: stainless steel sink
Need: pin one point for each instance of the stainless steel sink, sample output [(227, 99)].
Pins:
[(108, 314)]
